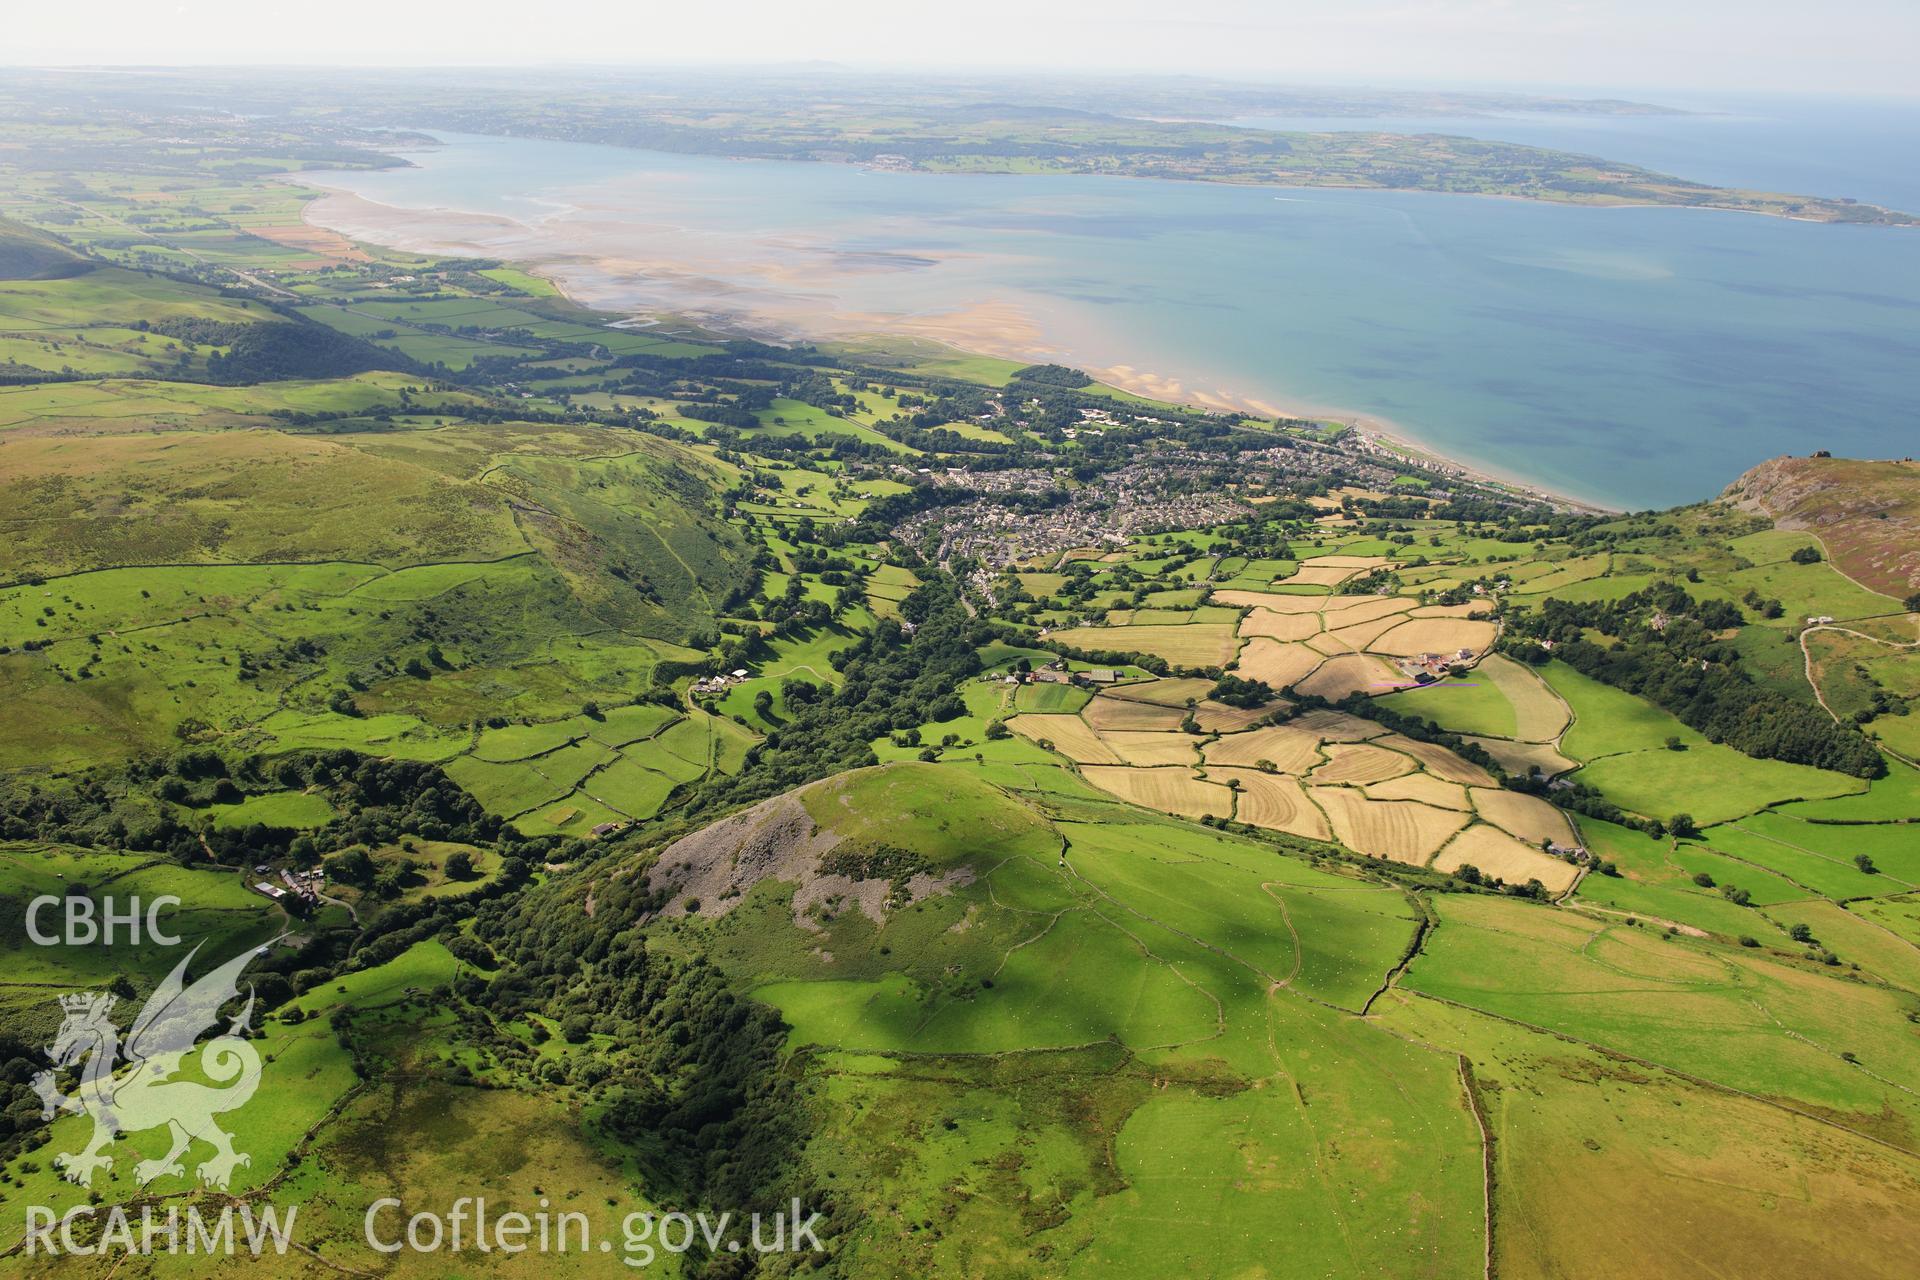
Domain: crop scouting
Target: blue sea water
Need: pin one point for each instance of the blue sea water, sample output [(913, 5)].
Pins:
[(1636, 357)]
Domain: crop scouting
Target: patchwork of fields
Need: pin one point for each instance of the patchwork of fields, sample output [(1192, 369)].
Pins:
[(1320, 775)]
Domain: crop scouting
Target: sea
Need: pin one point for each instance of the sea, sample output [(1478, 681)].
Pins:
[(1629, 357)]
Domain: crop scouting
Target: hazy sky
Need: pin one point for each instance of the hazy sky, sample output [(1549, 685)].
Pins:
[(1862, 46)]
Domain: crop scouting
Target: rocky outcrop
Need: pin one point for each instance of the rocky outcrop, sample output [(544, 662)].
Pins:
[(1865, 513)]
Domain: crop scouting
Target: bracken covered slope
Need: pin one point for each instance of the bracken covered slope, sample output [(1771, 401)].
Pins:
[(1866, 512)]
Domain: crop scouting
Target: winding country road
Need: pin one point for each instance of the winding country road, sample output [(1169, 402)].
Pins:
[(1806, 657)]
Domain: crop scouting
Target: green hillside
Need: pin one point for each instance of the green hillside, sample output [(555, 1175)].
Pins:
[(26, 254)]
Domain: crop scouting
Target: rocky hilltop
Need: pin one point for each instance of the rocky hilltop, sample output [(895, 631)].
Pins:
[(1866, 512)]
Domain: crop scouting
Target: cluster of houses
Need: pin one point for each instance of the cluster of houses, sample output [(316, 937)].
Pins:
[(1088, 417), (1056, 672), (1425, 668), (304, 885), (1138, 499), (720, 683)]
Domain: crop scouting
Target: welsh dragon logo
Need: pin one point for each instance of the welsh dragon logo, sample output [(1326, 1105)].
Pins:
[(130, 1087)]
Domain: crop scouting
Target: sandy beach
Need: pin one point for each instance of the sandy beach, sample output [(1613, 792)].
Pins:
[(784, 291)]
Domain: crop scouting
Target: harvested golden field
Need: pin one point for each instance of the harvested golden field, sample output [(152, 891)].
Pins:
[(1519, 757), (1194, 644), (1355, 763), (1275, 601), (1440, 762), (1337, 726), (1276, 663), (1396, 829), (1176, 692), (1496, 853), (1317, 576), (1539, 714), (1525, 817), (328, 246), (1280, 626), (1436, 635), (1350, 673), (1071, 736), (1290, 748), (1170, 790), (1347, 611), (1138, 748), (1346, 562), (1218, 717), (1424, 788), (1361, 635), (1471, 609), (1330, 645), (1107, 712), (1275, 802)]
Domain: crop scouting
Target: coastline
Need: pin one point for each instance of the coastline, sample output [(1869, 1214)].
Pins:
[(784, 310)]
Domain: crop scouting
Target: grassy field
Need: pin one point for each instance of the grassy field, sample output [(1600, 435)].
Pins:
[(1752, 1021), (1218, 941), (1581, 1125)]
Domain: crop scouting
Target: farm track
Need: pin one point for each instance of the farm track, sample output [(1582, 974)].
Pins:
[(1299, 952), (1806, 656)]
